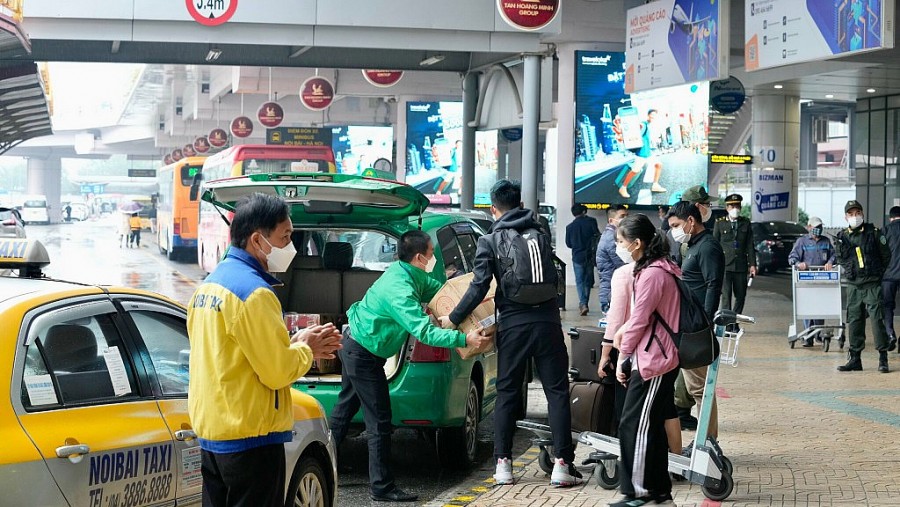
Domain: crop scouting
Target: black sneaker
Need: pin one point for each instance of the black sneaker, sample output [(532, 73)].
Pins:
[(808, 342), (687, 450), (630, 501)]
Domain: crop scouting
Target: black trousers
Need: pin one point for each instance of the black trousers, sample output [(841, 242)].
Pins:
[(542, 341), (734, 283), (889, 295), (252, 478), (642, 435), (363, 384)]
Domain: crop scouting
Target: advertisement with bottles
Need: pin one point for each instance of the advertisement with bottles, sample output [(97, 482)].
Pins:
[(434, 152), (641, 150), (356, 148)]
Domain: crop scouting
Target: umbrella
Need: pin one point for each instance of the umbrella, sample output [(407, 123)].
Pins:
[(130, 207)]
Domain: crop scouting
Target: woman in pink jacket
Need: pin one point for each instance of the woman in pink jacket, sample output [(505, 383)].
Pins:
[(654, 359)]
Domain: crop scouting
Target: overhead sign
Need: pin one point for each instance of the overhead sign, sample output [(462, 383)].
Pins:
[(528, 14), (177, 155), (299, 136), (168, 159), (723, 158), (142, 173), (201, 144), (270, 114), (512, 134), (782, 32), (671, 42), (317, 93), (218, 138), (382, 78), (771, 194), (188, 150), (211, 12), (727, 95), (241, 126)]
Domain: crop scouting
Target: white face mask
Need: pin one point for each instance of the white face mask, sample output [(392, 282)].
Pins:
[(624, 254), (733, 213), (705, 214), (278, 259), (429, 266), (855, 221), (679, 235)]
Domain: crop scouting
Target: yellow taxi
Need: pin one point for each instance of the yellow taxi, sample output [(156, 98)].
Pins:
[(96, 409)]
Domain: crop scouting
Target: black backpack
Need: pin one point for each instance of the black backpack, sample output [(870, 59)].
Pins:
[(525, 266), (696, 338)]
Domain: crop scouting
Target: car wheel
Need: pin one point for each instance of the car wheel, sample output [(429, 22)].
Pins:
[(456, 447), (171, 255), (309, 488)]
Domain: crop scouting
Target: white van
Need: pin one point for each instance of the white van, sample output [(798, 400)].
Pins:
[(35, 210)]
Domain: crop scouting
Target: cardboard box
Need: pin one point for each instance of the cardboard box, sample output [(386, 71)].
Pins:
[(445, 301)]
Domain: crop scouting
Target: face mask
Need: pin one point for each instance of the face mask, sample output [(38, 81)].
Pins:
[(705, 214), (733, 213), (278, 259), (855, 221), (429, 266), (679, 235), (624, 254), (816, 231)]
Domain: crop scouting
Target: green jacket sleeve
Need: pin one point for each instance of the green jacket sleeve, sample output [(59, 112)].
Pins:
[(432, 287), (407, 312)]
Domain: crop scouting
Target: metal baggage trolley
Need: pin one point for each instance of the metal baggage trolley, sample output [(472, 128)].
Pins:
[(817, 296), (706, 466)]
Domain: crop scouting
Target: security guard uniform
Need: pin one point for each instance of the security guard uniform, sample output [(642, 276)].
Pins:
[(863, 255), (736, 238)]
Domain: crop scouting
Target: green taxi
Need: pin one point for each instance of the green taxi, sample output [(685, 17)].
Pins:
[(346, 230)]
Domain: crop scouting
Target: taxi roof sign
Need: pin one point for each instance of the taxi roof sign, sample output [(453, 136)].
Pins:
[(26, 255)]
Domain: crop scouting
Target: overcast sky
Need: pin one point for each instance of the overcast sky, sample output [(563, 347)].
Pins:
[(90, 94)]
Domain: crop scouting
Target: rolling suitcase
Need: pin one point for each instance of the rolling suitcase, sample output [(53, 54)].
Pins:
[(593, 406), (584, 354)]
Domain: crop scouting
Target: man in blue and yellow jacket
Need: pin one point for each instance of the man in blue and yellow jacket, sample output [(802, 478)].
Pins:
[(243, 361), (379, 324)]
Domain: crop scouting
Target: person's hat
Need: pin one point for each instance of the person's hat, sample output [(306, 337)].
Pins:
[(734, 199), (696, 194), (852, 204), (814, 221)]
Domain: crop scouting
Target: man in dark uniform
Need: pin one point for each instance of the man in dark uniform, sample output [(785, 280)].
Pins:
[(863, 254), (735, 235), (891, 280)]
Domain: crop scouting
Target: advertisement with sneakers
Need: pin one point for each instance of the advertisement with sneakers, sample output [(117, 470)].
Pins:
[(640, 149)]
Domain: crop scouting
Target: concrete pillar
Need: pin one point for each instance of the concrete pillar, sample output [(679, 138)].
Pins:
[(44, 177), (565, 158), (776, 140), (531, 118), (502, 155), (470, 102), (514, 168)]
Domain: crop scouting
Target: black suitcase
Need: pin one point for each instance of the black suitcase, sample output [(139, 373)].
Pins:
[(584, 353), (593, 407)]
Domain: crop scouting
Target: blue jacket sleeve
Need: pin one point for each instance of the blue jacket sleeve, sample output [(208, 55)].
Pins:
[(607, 263), (796, 255)]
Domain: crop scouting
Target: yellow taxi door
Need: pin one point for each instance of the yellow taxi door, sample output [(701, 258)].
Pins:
[(84, 403), (162, 331)]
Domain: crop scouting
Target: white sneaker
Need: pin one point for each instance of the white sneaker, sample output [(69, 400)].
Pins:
[(564, 474), (503, 472)]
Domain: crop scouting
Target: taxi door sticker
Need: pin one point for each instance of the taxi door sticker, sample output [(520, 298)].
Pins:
[(40, 390), (117, 374), (131, 478), (190, 467)]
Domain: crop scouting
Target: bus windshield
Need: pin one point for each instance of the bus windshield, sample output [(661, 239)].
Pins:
[(187, 174)]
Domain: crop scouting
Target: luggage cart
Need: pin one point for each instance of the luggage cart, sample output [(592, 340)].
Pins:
[(817, 295), (706, 466)]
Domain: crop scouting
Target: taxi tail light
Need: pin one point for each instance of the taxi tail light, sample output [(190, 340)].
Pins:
[(9, 222), (422, 353)]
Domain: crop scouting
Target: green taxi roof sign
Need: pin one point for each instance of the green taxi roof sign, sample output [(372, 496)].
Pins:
[(26, 255)]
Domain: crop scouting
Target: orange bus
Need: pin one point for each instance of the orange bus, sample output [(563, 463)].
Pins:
[(176, 213), (214, 234)]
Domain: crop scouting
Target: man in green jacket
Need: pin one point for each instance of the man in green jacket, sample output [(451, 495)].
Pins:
[(863, 254), (379, 324)]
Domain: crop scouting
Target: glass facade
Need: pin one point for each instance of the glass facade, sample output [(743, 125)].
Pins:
[(876, 150)]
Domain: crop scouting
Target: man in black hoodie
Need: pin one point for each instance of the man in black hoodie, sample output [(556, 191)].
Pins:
[(524, 332)]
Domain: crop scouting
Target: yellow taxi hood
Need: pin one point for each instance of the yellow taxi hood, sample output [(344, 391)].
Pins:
[(306, 407)]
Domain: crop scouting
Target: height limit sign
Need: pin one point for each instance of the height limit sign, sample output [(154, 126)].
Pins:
[(211, 12)]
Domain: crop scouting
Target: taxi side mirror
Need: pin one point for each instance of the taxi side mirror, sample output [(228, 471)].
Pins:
[(195, 186)]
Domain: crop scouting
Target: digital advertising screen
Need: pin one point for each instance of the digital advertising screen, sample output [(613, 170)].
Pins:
[(782, 32), (641, 150), (356, 148), (434, 152)]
